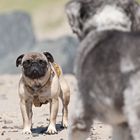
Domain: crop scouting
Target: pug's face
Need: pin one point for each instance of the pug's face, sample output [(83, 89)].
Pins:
[(35, 65)]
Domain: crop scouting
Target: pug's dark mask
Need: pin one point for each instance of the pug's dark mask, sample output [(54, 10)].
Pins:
[(35, 69)]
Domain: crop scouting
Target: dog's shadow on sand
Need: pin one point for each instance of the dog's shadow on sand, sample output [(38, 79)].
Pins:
[(42, 130)]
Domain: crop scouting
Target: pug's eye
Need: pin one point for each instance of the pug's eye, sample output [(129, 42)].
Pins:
[(26, 63), (43, 63)]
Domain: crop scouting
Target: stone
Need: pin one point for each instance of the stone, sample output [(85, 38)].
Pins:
[(63, 49), (8, 121), (17, 37), (16, 33), (2, 133)]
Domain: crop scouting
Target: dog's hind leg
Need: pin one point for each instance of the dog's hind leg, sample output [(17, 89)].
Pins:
[(65, 97), (80, 119), (132, 105), (121, 132)]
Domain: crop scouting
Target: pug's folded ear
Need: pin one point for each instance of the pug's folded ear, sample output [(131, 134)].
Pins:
[(19, 60), (49, 56)]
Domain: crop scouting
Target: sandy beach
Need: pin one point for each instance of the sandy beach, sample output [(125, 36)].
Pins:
[(11, 120)]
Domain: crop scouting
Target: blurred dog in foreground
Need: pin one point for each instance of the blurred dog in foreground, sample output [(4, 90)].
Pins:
[(107, 67), (42, 81)]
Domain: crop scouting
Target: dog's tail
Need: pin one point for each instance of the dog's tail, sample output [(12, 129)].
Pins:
[(57, 69)]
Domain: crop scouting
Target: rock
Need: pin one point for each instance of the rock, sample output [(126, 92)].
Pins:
[(16, 33), (101, 126), (5, 127), (2, 133), (8, 121), (48, 119), (17, 37), (63, 49)]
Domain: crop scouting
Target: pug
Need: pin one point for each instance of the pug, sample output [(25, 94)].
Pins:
[(42, 82), (107, 67)]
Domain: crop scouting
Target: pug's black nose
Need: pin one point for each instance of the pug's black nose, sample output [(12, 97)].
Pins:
[(35, 72)]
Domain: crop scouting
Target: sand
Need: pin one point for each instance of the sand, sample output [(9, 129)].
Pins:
[(11, 120)]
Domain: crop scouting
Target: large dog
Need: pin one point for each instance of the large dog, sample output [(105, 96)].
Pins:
[(42, 81), (107, 67)]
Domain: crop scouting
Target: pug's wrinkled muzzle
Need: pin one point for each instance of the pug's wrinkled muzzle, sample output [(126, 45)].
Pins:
[(35, 71)]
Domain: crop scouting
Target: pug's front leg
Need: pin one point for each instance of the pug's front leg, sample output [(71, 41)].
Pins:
[(54, 104), (26, 111)]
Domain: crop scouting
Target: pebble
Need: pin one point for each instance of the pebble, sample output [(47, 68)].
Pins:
[(8, 139), (3, 132), (35, 135), (92, 133), (6, 127), (48, 119), (8, 121), (101, 126)]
